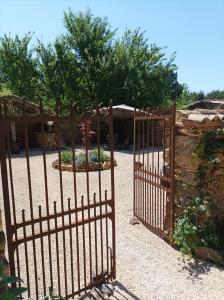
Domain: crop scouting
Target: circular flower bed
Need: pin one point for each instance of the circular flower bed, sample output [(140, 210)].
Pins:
[(96, 161)]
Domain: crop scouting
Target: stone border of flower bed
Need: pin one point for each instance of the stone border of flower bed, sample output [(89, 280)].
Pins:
[(91, 166)]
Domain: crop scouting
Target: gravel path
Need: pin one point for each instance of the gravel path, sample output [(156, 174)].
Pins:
[(147, 267)]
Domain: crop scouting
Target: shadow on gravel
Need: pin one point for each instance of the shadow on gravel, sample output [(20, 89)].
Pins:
[(196, 267), (122, 293)]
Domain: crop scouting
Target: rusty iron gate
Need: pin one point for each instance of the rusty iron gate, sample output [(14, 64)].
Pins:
[(154, 151), (60, 233)]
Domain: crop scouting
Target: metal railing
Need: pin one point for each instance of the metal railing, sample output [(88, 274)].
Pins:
[(154, 151), (67, 244)]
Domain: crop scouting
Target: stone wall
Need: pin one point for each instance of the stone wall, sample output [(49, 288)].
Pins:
[(199, 183), (192, 127)]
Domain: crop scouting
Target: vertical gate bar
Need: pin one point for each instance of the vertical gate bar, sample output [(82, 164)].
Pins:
[(172, 167), (6, 198), (95, 235), (136, 191), (136, 168), (57, 249), (147, 177), (71, 246), (139, 163), (151, 197), (164, 143), (152, 177), (26, 254), (158, 172), (42, 252), (139, 140), (143, 169), (158, 146), (31, 203), (87, 137), (145, 186), (99, 181), (46, 192), (84, 242), (13, 200), (112, 189), (168, 198), (152, 145), (134, 158), (160, 201), (155, 198), (142, 174), (11, 177), (164, 167), (107, 242), (75, 200), (58, 134)]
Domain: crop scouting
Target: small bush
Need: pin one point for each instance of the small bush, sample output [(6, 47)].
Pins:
[(96, 156), (66, 156), (80, 158), (93, 156), (186, 235), (6, 292)]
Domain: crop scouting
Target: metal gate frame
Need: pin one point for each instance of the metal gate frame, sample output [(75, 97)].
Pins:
[(153, 183), (94, 219)]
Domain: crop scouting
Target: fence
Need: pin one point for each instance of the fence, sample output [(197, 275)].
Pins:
[(154, 169), (60, 226)]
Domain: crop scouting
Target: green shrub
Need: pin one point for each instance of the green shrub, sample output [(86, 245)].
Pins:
[(80, 158), (6, 292), (98, 156), (186, 235), (93, 156), (66, 156)]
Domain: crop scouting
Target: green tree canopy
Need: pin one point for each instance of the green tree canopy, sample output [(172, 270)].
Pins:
[(89, 65), (217, 94), (90, 39), (18, 67), (57, 68)]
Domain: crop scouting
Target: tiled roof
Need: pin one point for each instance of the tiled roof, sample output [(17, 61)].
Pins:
[(202, 118)]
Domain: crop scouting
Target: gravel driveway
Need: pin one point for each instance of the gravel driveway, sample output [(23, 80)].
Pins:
[(147, 267)]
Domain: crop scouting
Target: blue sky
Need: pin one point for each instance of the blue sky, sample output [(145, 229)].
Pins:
[(194, 29)]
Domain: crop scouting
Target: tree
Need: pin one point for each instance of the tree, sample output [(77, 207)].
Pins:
[(139, 74), (185, 98), (197, 96), (217, 94), (57, 68), (18, 66), (90, 39), (127, 71), (90, 66)]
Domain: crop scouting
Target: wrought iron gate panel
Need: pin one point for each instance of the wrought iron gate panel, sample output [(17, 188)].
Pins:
[(154, 151), (68, 243)]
